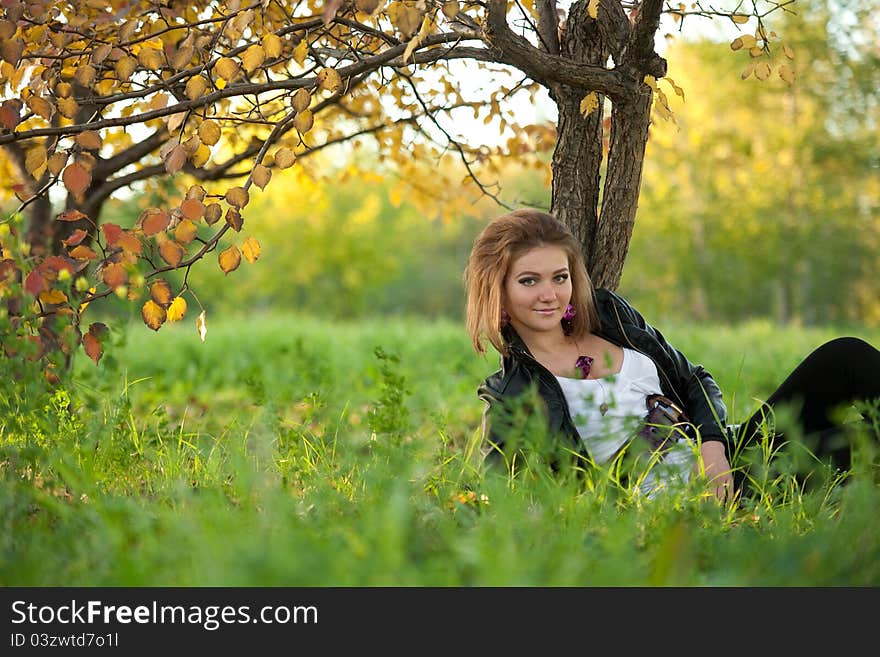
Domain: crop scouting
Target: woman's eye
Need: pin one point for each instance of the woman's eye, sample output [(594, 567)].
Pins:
[(527, 281), (562, 278)]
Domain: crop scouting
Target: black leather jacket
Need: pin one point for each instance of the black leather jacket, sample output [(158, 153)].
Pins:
[(687, 384)]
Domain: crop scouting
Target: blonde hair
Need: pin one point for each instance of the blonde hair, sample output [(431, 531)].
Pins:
[(503, 240)]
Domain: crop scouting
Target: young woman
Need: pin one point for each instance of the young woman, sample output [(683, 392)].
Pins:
[(605, 377)]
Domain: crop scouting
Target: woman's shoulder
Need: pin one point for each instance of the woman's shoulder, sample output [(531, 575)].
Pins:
[(609, 304), (506, 381)]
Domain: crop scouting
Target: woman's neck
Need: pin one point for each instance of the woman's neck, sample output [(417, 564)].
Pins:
[(544, 342)]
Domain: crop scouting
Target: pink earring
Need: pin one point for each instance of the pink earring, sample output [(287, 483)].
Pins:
[(569, 314)]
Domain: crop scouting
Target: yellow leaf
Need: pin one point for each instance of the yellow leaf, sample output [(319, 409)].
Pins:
[(301, 51), (410, 47), (736, 44), (186, 231), (304, 121), (261, 176), (200, 156), (100, 53), (125, 66), (89, 140), (182, 58), (160, 292), (301, 99), (195, 87), (251, 249), (786, 73), (284, 158), (175, 159), (35, 161), (253, 58), (593, 9), (150, 58), (367, 6), (213, 212), (171, 252), (209, 132), (237, 197), (762, 71), (56, 162), (450, 9), (234, 219), (68, 107), (678, 90), (153, 315), (176, 310), (229, 259), (202, 326), (788, 51), (747, 71), (53, 297), (85, 74), (739, 18), (227, 69), (329, 79), (589, 103), (40, 106), (272, 45)]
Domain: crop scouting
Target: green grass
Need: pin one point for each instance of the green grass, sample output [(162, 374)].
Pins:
[(287, 451)]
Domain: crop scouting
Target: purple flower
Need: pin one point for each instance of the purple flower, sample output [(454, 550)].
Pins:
[(570, 312), (584, 363)]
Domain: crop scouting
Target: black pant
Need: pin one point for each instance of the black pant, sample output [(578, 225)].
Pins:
[(840, 372)]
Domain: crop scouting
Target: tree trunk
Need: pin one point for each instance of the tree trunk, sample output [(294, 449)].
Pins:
[(620, 198), (577, 158)]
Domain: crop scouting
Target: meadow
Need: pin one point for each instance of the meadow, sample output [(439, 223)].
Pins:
[(290, 451)]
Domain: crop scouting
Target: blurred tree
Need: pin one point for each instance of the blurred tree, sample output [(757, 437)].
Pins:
[(771, 208)]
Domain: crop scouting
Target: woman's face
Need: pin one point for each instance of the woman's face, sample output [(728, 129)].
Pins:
[(537, 290)]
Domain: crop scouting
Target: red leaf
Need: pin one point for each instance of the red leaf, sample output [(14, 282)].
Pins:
[(92, 346), (34, 283), (111, 233), (76, 178), (10, 114), (76, 237), (130, 243), (23, 192), (155, 221), (57, 263), (71, 215)]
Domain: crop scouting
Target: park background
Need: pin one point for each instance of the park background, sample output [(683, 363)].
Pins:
[(323, 433)]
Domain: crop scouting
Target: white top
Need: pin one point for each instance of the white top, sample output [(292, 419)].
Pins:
[(608, 412)]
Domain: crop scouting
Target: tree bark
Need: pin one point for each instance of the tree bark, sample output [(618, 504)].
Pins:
[(577, 157)]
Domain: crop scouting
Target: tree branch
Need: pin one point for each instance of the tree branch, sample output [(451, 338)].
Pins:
[(548, 70)]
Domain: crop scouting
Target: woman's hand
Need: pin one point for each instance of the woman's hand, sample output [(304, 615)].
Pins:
[(717, 469)]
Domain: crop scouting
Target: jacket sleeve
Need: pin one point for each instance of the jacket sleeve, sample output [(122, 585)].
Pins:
[(700, 393)]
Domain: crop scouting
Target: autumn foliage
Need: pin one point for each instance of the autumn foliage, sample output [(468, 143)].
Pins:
[(221, 97)]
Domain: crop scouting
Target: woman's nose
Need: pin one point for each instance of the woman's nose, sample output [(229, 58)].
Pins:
[(545, 293)]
